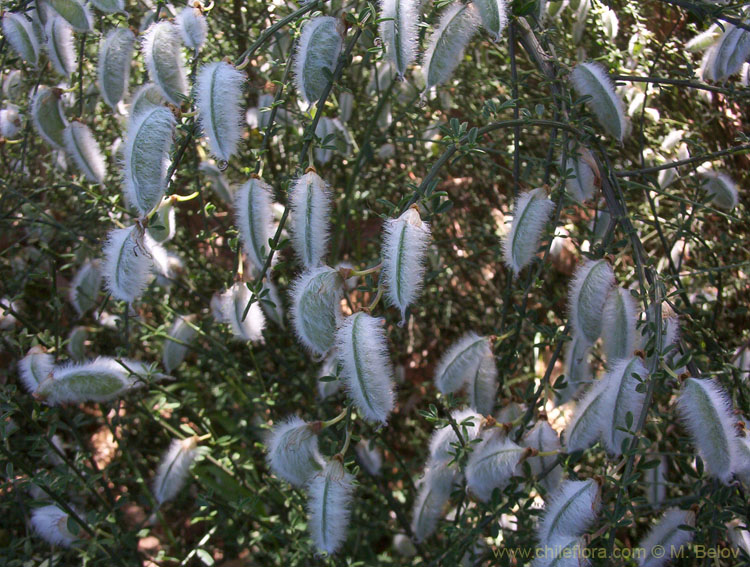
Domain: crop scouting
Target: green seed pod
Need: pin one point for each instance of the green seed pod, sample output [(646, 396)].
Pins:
[(530, 217), (318, 50), (494, 16), (75, 13), (60, 45), (726, 57), (48, 117), (316, 311), (722, 189), (584, 177), (219, 98), (109, 6), (19, 33), (162, 51), (253, 203), (84, 289), (115, 54), (77, 343), (147, 96), (81, 145), (588, 293), (399, 28), (618, 324), (592, 80), (162, 227)]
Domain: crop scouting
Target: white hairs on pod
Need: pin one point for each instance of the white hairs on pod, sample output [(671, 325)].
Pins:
[(530, 217), (310, 202), (399, 30), (316, 57), (592, 80), (20, 34), (174, 469), (76, 13), (147, 96), (113, 68), (129, 256), (704, 40), (109, 6), (587, 294), (722, 188), (404, 248), (544, 439), (458, 24), (293, 451), (51, 523), (162, 52), (585, 178), (666, 534), (35, 368), (163, 225), (84, 289), (570, 511), (706, 411), (174, 352), (48, 117), (147, 146), (60, 48), (433, 494), (460, 362), (621, 398), (330, 498), (494, 16), (10, 121), (193, 27), (253, 204), (619, 324), (369, 456), (585, 428), (444, 441), (316, 310), (482, 385), (727, 55), (366, 368), (81, 145), (577, 367), (77, 343), (491, 465), (742, 458), (233, 304), (218, 98)]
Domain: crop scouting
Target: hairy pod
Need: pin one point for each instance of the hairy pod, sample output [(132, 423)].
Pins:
[(233, 304), (491, 465), (577, 367), (76, 13), (666, 534), (129, 256), (727, 55), (60, 45), (482, 385), (35, 368), (592, 80), (586, 426), (179, 338), (434, 491), (77, 343), (543, 439), (494, 16), (444, 441), (460, 362), (330, 493), (570, 511), (293, 453), (620, 399), (10, 121), (316, 311), (147, 146), (84, 289), (113, 68), (585, 178), (51, 524), (704, 40), (366, 367), (531, 215), (147, 97), (587, 295), (162, 52), (20, 34), (109, 6), (722, 189), (369, 456), (193, 27), (48, 118), (81, 145), (174, 469), (399, 29), (317, 54), (253, 204), (218, 98), (310, 202), (405, 241), (458, 24), (619, 324)]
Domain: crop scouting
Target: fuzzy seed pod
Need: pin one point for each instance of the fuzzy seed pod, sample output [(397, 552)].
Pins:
[(577, 367), (193, 27), (218, 98), (84, 289), (722, 189), (726, 56), (531, 215), (77, 343), (147, 146), (316, 311), (115, 54), (434, 492), (619, 324), (587, 296), (35, 368), (130, 255), (585, 179), (48, 117), (366, 368), (460, 362), (60, 45), (570, 511), (458, 24), (543, 438), (621, 398), (10, 122), (444, 441), (317, 55), (162, 51), (51, 523), (704, 40), (666, 534), (491, 465), (20, 34), (163, 226), (482, 386), (706, 410), (293, 451), (399, 28), (147, 97), (253, 203), (369, 456), (310, 200), (330, 493), (75, 13), (233, 304), (405, 241), (178, 342), (174, 469), (81, 145), (587, 424), (494, 16), (592, 80), (109, 6)]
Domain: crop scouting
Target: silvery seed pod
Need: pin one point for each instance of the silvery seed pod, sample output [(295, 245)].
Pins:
[(253, 204), (317, 55), (48, 118), (147, 97), (19, 33), (162, 52), (218, 98), (174, 469), (115, 55), (109, 6), (193, 27), (592, 80), (75, 13), (330, 497), (530, 217), (60, 45), (81, 145), (619, 324), (293, 451), (35, 368), (570, 511), (84, 289), (588, 293), (399, 29), (667, 533), (316, 311), (494, 16), (310, 202)]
